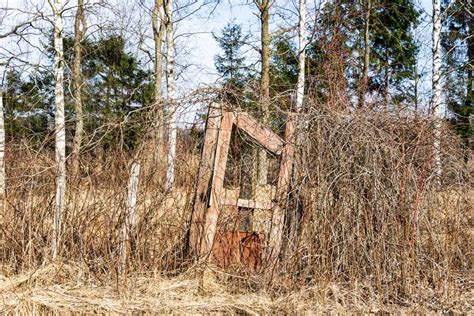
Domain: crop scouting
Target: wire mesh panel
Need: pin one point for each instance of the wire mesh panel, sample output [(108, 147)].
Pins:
[(247, 202)]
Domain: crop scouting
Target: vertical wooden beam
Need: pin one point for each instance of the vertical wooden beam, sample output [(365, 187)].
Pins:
[(217, 182), (286, 164), (201, 196)]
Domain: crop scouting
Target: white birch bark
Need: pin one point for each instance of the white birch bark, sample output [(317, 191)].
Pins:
[(172, 132), (60, 132), (301, 123), (302, 43), (436, 98), (130, 216), (159, 124)]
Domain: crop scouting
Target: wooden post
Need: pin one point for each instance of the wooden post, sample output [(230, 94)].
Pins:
[(201, 196), (276, 231), (217, 182), (129, 220)]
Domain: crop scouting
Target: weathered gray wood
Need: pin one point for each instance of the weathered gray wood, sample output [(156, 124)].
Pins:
[(201, 196), (267, 139), (247, 203), (217, 182), (276, 231), (264, 136)]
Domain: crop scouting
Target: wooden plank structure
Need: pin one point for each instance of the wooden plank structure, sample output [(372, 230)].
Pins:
[(209, 199), (206, 167)]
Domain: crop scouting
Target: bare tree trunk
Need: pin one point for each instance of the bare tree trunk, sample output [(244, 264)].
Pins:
[(129, 220), (158, 32), (264, 8), (436, 86), (365, 75), (302, 43), (172, 132), (386, 87), (60, 132), (415, 93), (79, 30), (295, 214), (470, 78), (2, 155), (470, 62)]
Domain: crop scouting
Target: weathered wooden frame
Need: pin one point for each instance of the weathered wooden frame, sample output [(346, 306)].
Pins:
[(208, 199)]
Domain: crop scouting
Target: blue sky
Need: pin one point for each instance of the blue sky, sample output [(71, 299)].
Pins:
[(204, 48), (196, 46)]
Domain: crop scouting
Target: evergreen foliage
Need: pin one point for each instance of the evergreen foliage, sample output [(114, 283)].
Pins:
[(458, 44)]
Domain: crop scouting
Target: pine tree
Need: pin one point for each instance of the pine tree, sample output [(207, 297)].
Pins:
[(458, 45), (379, 30), (283, 66), (394, 50), (115, 85), (231, 63)]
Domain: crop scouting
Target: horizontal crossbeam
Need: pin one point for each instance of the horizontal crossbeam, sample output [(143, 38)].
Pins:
[(267, 205)]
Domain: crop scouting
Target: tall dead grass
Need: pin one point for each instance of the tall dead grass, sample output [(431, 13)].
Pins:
[(374, 216), (368, 227)]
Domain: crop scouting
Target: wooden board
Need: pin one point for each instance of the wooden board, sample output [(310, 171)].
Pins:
[(264, 136), (247, 203), (201, 196), (286, 167), (217, 184)]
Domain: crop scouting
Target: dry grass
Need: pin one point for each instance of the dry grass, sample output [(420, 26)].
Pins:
[(63, 289), (376, 233)]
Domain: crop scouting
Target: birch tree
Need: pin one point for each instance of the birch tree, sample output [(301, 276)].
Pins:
[(77, 81), (302, 43), (130, 215), (295, 215), (436, 86), (172, 132), (60, 133), (158, 32)]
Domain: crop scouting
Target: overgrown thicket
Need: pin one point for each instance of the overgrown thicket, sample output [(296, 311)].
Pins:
[(375, 217), (371, 217), (369, 223), (96, 209)]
